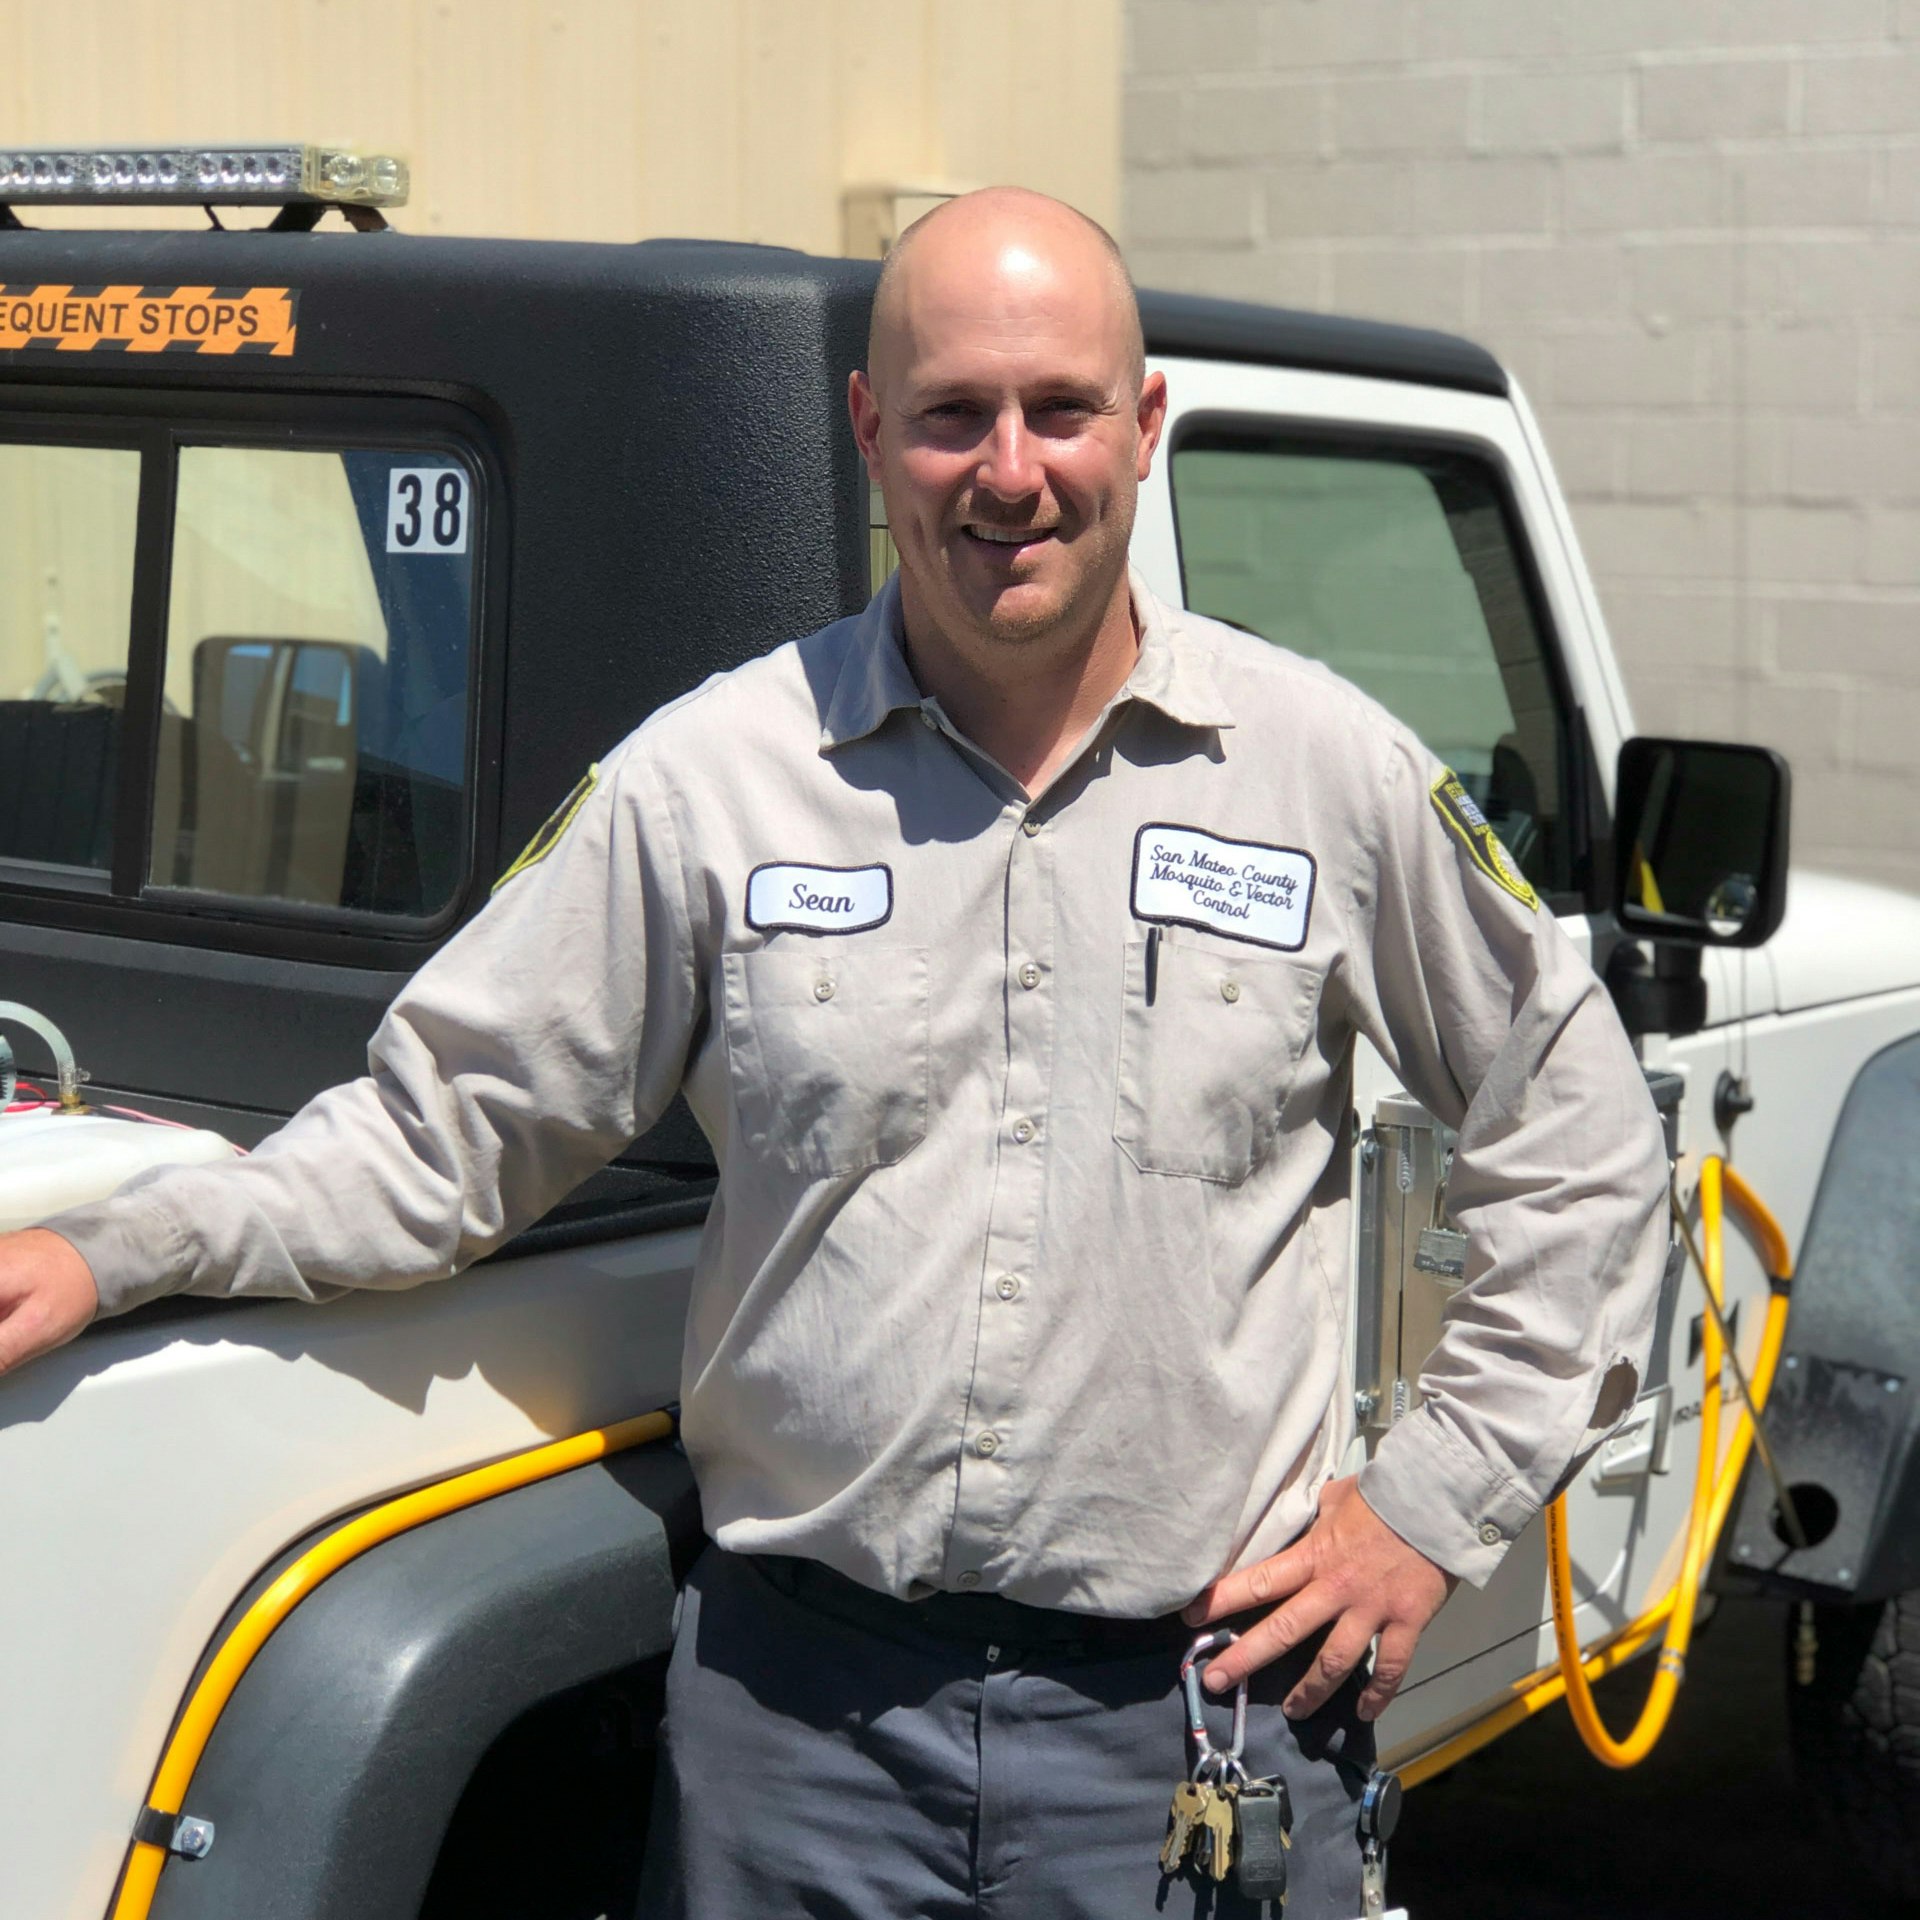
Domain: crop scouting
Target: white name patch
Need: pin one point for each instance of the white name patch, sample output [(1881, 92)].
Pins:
[(1243, 888), (795, 899)]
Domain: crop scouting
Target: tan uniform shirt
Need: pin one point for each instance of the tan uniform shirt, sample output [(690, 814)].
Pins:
[(1028, 1266)]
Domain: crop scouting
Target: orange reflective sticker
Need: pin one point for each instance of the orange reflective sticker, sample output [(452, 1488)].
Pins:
[(169, 320)]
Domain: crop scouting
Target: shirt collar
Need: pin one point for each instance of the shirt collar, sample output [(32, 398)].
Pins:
[(1172, 674), (875, 679)]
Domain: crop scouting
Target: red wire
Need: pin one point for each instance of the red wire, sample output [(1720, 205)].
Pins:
[(152, 1119), (125, 1113)]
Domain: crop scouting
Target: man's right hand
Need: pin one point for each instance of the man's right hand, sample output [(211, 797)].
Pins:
[(46, 1295)]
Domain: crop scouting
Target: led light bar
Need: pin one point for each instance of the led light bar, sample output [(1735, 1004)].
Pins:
[(266, 176)]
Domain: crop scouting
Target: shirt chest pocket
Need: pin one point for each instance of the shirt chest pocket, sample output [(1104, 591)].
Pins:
[(1207, 1061), (827, 1048)]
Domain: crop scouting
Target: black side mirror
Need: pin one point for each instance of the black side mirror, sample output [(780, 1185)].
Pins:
[(283, 706), (1700, 842)]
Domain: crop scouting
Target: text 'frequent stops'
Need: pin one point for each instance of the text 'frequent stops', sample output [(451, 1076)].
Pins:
[(131, 319)]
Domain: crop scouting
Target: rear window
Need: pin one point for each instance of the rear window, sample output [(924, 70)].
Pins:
[(312, 741), (239, 676), (66, 595)]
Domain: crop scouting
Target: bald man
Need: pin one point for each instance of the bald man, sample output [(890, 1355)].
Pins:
[(1010, 941)]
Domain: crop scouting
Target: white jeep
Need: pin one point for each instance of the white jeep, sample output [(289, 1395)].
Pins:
[(329, 559)]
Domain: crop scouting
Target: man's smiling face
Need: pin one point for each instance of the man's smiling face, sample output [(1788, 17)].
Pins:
[(1003, 422)]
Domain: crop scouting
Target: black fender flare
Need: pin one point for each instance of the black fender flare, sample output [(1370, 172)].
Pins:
[(1844, 1411), (334, 1771)]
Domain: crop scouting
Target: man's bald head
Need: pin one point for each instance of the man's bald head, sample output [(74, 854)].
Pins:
[(1005, 416), (1004, 230)]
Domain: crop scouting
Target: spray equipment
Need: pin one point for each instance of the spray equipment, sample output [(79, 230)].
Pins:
[(57, 1152), (67, 1071)]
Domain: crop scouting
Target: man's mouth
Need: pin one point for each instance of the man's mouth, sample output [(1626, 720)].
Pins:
[(1011, 537)]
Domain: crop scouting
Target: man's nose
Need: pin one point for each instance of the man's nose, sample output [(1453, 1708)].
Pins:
[(1008, 468)]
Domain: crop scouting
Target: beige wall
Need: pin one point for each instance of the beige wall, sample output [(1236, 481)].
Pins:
[(66, 566), (1694, 230), (601, 119)]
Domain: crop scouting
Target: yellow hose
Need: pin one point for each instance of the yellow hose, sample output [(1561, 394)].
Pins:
[(1672, 1665), (1720, 1186), (142, 1874)]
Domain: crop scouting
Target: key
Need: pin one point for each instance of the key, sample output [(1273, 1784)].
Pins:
[(1262, 1815), (1190, 1800), (1216, 1832)]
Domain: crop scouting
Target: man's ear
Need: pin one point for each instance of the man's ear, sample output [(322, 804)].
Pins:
[(1151, 414), (864, 411)]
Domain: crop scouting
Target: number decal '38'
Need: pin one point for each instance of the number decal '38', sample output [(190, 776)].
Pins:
[(427, 510)]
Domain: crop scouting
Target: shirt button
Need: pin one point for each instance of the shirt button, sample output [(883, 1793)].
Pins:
[(1007, 1285), (927, 719), (1490, 1535), (1229, 991), (1022, 1132), (1029, 826), (1029, 976), (987, 1445), (823, 989), (969, 1579)]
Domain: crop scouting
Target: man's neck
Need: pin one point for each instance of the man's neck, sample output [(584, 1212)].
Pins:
[(1027, 704)]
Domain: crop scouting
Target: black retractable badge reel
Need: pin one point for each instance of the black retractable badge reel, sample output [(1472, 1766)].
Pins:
[(1379, 1815)]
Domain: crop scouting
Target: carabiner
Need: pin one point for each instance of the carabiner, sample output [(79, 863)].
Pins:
[(1209, 1758)]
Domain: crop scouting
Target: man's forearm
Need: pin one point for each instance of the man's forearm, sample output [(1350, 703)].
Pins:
[(334, 1200)]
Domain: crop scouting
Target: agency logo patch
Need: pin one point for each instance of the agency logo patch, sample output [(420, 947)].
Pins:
[(558, 821), (785, 897), (1245, 889), (1455, 805)]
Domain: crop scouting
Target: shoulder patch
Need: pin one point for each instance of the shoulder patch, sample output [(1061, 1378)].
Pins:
[(558, 821), (1455, 805)]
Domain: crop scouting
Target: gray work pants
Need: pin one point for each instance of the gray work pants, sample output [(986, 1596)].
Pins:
[(826, 1755)]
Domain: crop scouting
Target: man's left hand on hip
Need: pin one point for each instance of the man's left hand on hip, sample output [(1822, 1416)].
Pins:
[(1349, 1569)]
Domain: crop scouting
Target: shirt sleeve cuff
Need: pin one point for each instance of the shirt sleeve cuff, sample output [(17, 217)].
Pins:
[(129, 1245), (1442, 1499)]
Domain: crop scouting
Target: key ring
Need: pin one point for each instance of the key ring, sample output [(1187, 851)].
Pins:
[(1213, 1764)]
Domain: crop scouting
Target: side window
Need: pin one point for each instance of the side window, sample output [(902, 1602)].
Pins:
[(67, 518), (319, 619), (1396, 567)]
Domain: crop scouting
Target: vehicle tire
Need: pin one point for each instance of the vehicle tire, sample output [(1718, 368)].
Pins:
[(1855, 1734)]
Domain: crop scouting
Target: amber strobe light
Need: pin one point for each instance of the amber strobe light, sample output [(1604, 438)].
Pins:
[(272, 175)]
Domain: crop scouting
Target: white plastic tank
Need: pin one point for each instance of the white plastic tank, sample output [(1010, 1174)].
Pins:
[(50, 1161)]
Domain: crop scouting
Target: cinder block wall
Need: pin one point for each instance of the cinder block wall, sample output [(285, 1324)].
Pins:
[(1693, 229)]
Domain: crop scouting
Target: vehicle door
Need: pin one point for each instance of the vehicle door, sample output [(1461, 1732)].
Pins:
[(1405, 535)]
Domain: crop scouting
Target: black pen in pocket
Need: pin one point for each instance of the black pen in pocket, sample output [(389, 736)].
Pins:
[(1153, 963)]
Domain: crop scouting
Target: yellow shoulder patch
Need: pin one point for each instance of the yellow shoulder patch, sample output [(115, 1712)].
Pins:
[(549, 836), (1455, 805)]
